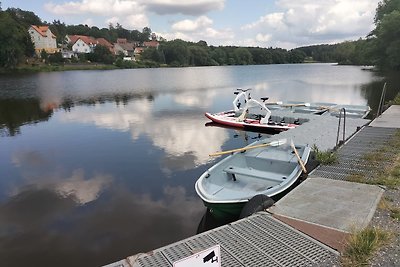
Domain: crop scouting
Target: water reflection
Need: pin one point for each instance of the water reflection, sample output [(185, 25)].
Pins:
[(36, 169), (16, 112), (99, 165), (40, 228)]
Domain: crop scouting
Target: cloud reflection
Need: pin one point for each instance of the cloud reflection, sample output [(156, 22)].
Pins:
[(39, 171), (40, 228), (181, 135)]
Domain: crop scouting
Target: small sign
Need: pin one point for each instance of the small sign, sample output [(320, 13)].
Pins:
[(210, 257)]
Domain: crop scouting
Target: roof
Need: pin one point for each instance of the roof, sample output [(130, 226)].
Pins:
[(139, 50), (42, 30), (122, 41), (103, 42), (86, 39), (127, 46), (151, 44), (90, 40)]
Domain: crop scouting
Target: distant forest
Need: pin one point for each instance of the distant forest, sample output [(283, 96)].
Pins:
[(380, 48)]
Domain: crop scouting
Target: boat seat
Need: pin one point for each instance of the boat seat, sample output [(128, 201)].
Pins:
[(254, 173)]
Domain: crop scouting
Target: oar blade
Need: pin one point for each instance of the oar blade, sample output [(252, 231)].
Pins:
[(278, 142)]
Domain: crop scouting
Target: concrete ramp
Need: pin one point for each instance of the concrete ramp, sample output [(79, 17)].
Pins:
[(328, 210)]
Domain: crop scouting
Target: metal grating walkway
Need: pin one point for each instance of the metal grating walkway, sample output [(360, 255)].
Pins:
[(259, 240), (351, 156)]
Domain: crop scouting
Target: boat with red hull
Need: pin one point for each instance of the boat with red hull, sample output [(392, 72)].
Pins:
[(229, 118)]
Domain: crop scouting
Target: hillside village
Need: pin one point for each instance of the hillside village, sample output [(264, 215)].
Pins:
[(74, 45)]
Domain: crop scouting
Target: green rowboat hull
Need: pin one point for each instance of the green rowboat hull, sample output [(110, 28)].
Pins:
[(224, 211)]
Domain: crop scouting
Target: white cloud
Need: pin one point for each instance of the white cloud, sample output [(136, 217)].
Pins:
[(306, 22), (137, 21), (188, 7), (273, 20), (103, 8), (263, 37), (199, 29), (192, 25)]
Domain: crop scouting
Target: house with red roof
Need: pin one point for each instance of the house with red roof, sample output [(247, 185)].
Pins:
[(86, 44), (152, 43), (43, 39)]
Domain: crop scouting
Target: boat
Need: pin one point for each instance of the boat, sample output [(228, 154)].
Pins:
[(352, 111), (260, 168), (251, 115), (230, 118)]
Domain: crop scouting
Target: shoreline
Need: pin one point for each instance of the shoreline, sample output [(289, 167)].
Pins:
[(100, 66)]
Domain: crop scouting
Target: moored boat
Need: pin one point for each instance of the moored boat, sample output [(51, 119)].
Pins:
[(353, 111), (250, 114), (229, 118), (260, 169)]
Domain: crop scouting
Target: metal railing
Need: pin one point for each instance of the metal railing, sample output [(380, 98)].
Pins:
[(342, 111), (381, 102)]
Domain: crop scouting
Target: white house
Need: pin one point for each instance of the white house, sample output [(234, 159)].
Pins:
[(43, 39), (83, 44), (86, 44)]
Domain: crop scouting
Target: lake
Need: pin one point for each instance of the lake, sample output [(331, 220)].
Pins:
[(99, 165)]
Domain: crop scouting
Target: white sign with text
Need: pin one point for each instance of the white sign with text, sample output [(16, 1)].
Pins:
[(210, 257)]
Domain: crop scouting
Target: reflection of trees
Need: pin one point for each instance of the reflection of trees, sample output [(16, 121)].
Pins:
[(119, 99), (17, 112), (372, 91)]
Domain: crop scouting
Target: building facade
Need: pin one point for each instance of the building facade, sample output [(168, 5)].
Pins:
[(43, 39)]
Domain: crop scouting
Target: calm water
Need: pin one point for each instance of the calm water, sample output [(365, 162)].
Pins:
[(99, 165)]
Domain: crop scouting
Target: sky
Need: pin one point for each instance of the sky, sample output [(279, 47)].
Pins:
[(264, 23)]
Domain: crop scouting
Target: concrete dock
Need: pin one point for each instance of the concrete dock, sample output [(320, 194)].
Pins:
[(308, 226)]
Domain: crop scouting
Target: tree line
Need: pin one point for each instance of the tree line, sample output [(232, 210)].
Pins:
[(379, 48)]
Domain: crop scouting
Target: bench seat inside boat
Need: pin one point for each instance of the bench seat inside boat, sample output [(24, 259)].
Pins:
[(276, 177)]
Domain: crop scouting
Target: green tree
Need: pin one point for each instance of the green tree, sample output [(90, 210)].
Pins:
[(344, 52), (146, 34), (387, 35), (25, 18), (199, 56), (101, 54), (14, 39), (176, 52), (243, 56), (153, 54), (59, 29), (219, 56), (386, 7), (296, 56)]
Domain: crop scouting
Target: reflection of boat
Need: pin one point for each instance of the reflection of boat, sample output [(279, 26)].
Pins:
[(250, 114), (227, 186), (247, 135)]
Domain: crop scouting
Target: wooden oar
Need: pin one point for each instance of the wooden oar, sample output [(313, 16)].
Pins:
[(298, 157), (274, 143)]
